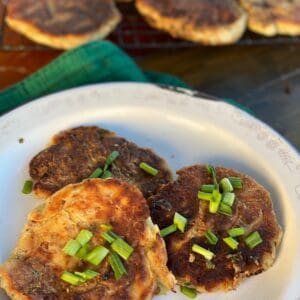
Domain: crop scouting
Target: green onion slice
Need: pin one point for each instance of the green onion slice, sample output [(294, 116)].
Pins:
[(236, 182), (97, 255), (228, 198), (106, 227), (225, 209), (211, 169), (238, 231), (202, 251), (97, 173), (215, 203), (109, 236), (148, 169), (253, 240), (226, 185), (205, 196), (168, 230), (87, 274), (71, 278), (84, 237), (117, 265), (110, 159), (83, 251), (189, 292), (207, 188), (122, 248), (72, 247), (107, 174), (180, 221), (232, 243), (211, 237), (27, 187)]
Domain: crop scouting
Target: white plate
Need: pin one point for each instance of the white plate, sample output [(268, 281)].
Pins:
[(181, 128)]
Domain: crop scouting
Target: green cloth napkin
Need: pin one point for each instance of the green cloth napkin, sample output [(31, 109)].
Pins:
[(95, 62)]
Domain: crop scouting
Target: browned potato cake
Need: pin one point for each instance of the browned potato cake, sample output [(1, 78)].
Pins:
[(34, 268), (252, 210)]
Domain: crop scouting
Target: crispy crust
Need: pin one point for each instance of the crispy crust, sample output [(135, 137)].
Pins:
[(33, 270), (216, 22), (273, 17), (252, 210), (63, 24)]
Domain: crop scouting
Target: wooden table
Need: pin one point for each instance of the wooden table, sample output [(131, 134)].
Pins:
[(264, 78)]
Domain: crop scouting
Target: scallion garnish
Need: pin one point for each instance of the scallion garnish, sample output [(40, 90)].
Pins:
[(189, 292), (228, 198), (205, 196), (215, 202), (226, 185), (168, 230), (207, 188), (96, 256), (232, 243), (122, 248), (236, 182), (202, 251), (117, 265), (238, 231), (225, 209), (83, 251), (84, 237), (72, 247), (253, 240), (106, 227), (180, 221), (97, 173), (87, 274), (211, 170), (211, 237), (148, 169), (107, 174), (71, 278), (113, 156), (108, 236), (27, 187)]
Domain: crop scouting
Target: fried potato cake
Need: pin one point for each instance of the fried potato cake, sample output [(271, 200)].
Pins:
[(210, 22), (252, 210), (77, 152), (63, 24), (273, 17), (34, 268)]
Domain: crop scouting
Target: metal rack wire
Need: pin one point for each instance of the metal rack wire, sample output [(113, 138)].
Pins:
[(135, 34)]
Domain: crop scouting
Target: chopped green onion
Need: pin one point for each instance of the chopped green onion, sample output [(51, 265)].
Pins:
[(148, 169), (213, 172), (168, 230), (226, 185), (27, 187), (232, 243), (207, 188), (97, 173), (228, 198), (83, 251), (236, 182), (96, 256), (202, 251), (112, 157), (117, 265), (225, 209), (238, 231), (107, 174), (84, 237), (87, 274), (72, 247), (253, 240), (189, 292), (215, 202), (211, 237), (180, 221), (71, 278), (204, 196), (210, 265), (109, 236), (106, 227), (122, 248)]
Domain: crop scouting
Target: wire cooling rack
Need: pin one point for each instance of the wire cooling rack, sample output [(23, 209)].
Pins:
[(133, 34)]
